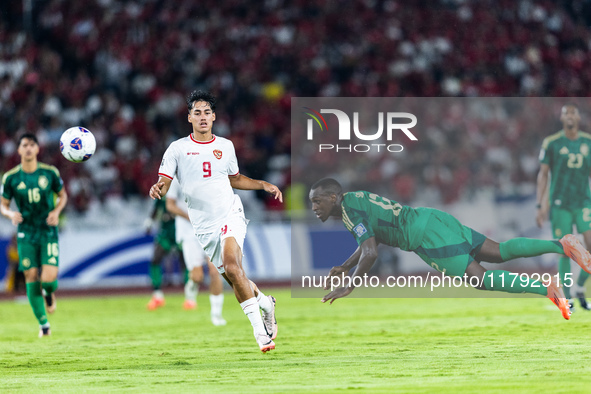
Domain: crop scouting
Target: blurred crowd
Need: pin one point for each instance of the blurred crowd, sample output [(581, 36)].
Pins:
[(123, 70)]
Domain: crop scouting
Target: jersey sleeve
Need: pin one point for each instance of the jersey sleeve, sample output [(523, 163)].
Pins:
[(357, 224), (57, 184), (169, 163), (6, 189), (545, 152), (233, 162)]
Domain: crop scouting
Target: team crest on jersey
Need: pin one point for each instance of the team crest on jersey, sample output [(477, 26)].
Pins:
[(217, 153), (43, 182), (360, 229), (564, 151), (584, 149), (358, 194)]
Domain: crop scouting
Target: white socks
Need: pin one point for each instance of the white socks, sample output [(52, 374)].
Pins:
[(191, 290), (251, 310), (216, 302), (264, 302), (158, 294)]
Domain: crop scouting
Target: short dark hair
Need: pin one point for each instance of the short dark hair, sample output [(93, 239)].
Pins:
[(29, 136), (573, 105), (328, 185), (201, 95)]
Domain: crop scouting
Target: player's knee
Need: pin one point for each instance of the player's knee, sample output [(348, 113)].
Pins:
[(233, 271), (31, 275)]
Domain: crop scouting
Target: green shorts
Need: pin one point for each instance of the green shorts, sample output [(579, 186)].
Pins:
[(563, 220), (448, 245), (35, 250), (165, 241)]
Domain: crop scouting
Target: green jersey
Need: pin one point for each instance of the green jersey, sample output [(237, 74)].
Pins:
[(167, 226), (368, 215), (570, 165), (34, 194)]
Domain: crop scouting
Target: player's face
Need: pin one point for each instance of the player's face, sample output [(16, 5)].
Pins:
[(201, 117), (570, 116), (322, 203), (28, 149)]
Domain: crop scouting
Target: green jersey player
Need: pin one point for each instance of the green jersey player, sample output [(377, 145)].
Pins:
[(567, 155), (164, 244), (34, 186), (438, 238)]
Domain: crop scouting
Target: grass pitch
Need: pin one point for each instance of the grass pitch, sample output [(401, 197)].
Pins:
[(114, 344)]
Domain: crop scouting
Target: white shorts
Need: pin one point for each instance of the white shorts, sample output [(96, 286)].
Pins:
[(193, 253), (234, 225)]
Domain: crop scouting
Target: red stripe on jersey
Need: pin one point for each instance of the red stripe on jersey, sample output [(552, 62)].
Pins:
[(168, 176), (235, 174), (200, 142)]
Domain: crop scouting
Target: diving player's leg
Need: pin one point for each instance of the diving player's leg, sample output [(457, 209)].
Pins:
[(579, 290), (499, 280), (494, 252)]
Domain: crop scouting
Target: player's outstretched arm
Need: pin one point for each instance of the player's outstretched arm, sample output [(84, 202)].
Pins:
[(53, 217), (14, 216), (245, 183), (542, 195), (345, 267), (369, 254), (160, 188)]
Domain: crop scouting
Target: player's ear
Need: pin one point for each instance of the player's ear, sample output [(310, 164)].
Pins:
[(213, 116), (189, 117)]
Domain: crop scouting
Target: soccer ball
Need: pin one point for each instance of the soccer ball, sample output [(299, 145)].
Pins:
[(77, 144)]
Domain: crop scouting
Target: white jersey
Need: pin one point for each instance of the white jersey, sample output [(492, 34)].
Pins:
[(183, 228), (202, 169)]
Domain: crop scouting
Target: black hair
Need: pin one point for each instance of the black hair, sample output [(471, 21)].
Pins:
[(29, 136), (201, 95), (329, 186)]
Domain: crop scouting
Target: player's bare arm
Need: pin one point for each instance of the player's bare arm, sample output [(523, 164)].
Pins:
[(14, 216), (542, 202), (172, 207), (160, 188), (54, 216), (242, 182), (346, 266), (369, 255)]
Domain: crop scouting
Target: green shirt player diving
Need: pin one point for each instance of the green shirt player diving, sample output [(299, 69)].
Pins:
[(40, 196), (567, 156), (437, 237)]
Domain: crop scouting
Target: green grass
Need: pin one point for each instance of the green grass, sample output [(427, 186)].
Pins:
[(362, 345)]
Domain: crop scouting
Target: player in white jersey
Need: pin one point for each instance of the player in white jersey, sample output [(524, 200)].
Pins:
[(207, 170), (194, 257)]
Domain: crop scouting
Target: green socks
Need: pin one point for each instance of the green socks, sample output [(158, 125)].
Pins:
[(528, 247), (563, 269), (156, 276), (36, 301), (499, 280), (49, 287)]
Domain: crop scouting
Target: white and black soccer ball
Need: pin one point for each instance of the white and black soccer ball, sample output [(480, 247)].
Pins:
[(77, 144)]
